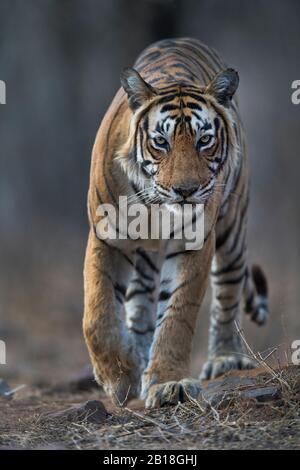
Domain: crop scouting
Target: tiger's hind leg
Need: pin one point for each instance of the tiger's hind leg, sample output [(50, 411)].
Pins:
[(140, 304), (228, 276), (256, 295)]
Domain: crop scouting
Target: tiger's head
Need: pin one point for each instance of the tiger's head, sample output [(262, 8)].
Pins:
[(180, 138)]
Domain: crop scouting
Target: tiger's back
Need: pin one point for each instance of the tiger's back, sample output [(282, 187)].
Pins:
[(183, 60)]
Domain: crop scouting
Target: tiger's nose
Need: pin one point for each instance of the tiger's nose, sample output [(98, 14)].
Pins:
[(186, 190)]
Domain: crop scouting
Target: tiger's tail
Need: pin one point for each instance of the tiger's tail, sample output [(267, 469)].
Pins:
[(256, 295)]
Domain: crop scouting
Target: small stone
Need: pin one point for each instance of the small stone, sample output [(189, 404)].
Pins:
[(262, 394), (92, 411), (219, 392)]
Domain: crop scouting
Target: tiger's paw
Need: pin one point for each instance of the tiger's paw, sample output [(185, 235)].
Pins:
[(222, 364), (172, 393), (122, 391), (121, 386)]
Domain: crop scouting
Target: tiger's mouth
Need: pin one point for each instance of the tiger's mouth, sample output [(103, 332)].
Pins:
[(201, 198)]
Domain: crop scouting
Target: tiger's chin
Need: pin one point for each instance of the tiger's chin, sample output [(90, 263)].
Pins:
[(177, 207)]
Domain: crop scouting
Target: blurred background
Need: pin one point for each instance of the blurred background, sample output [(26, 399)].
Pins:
[(61, 61)]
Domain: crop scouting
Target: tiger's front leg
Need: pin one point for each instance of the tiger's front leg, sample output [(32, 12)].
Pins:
[(110, 347), (140, 303), (183, 284)]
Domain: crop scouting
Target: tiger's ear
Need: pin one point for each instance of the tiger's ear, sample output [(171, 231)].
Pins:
[(223, 86), (138, 91)]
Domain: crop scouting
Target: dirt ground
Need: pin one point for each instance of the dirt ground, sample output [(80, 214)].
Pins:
[(41, 356), (247, 410)]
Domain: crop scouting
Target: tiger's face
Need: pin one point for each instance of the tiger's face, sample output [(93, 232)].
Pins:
[(181, 138), (180, 149)]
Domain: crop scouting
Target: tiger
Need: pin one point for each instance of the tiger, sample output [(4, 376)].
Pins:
[(173, 135)]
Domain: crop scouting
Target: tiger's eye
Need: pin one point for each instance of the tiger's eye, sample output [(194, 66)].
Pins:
[(159, 140), (205, 139)]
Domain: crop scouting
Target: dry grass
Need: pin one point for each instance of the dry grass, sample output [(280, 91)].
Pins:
[(234, 424)]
